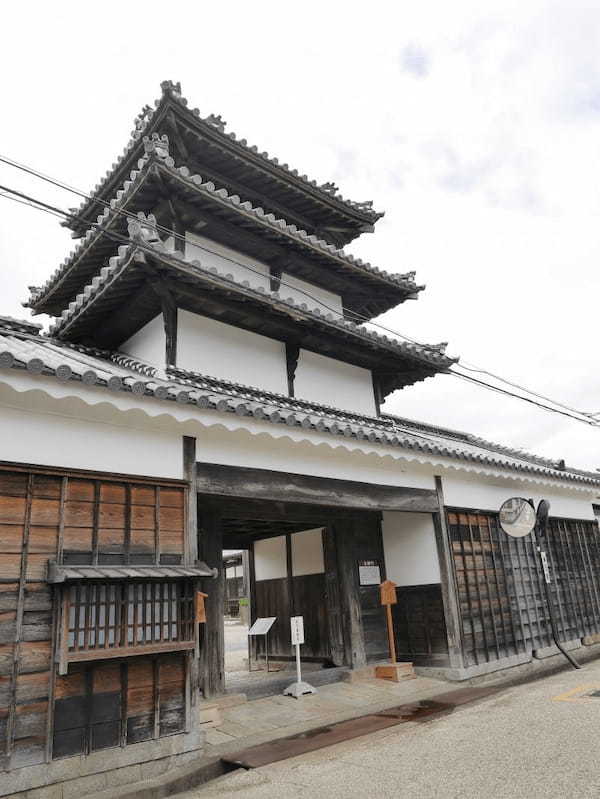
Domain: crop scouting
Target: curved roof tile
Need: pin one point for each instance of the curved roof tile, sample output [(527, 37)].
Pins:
[(41, 355), (155, 155), (172, 90)]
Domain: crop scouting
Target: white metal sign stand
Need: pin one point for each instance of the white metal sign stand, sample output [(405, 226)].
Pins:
[(298, 688), (261, 627)]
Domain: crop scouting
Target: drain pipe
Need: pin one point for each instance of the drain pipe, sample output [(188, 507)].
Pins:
[(541, 531)]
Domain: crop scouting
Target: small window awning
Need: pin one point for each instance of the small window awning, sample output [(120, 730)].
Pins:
[(58, 573)]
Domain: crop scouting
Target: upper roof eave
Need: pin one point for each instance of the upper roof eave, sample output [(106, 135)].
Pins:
[(360, 214), (41, 299), (430, 358)]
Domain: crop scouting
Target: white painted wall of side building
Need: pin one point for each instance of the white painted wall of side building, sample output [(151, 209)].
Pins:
[(270, 560), (484, 494), (409, 548)]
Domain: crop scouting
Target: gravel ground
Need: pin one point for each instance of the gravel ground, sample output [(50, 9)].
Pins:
[(534, 740)]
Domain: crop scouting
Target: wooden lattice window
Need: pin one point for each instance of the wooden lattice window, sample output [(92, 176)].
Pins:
[(107, 620)]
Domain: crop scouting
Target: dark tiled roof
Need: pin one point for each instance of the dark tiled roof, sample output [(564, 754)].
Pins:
[(21, 325), (157, 156), (325, 192), (45, 356), (432, 356), (58, 573)]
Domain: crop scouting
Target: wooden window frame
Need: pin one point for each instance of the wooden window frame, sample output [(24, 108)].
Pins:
[(126, 608)]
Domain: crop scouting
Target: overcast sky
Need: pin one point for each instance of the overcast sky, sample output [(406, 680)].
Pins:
[(478, 133)]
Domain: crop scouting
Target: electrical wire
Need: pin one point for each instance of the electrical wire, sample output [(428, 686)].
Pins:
[(40, 205)]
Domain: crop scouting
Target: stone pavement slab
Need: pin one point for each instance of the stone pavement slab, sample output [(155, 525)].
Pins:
[(531, 741)]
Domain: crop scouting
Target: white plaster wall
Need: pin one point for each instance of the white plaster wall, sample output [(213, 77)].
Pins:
[(270, 561), (61, 439), (409, 548), (149, 343), (239, 448), (307, 552), (242, 441), (227, 261), (220, 350), (485, 494), (335, 383), (314, 296)]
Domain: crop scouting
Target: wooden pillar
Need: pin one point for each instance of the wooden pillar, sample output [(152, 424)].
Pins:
[(189, 474), (292, 353), (354, 643), (212, 647), (251, 600), (448, 582), (335, 621), (246, 573), (191, 556)]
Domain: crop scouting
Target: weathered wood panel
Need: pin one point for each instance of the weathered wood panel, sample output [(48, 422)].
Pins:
[(283, 487), (272, 598), (50, 514), (419, 625), (500, 589), (102, 705)]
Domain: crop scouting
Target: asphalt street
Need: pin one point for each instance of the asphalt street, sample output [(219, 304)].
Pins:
[(533, 740)]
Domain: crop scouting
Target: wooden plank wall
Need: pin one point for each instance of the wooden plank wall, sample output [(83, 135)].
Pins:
[(112, 703), (76, 519), (499, 579), (367, 544), (420, 625), (298, 596)]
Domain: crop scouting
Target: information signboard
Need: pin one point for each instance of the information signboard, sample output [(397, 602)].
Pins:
[(262, 626), (297, 626), (369, 572)]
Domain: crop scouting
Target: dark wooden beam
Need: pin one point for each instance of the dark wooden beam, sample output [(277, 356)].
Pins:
[(377, 393), (233, 481), (212, 647), (189, 475), (349, 596), (335, 620), (450, 596), (168, 306), (289, 572), (292, 353), (275, 277)]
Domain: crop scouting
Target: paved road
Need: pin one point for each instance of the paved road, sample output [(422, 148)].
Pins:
[(536, 740)]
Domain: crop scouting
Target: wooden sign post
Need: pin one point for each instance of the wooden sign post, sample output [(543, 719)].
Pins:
[(200, 608), (395, 671), (387, 591)]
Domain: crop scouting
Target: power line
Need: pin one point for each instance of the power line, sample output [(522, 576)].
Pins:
[(566, 411), (346, 311)]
